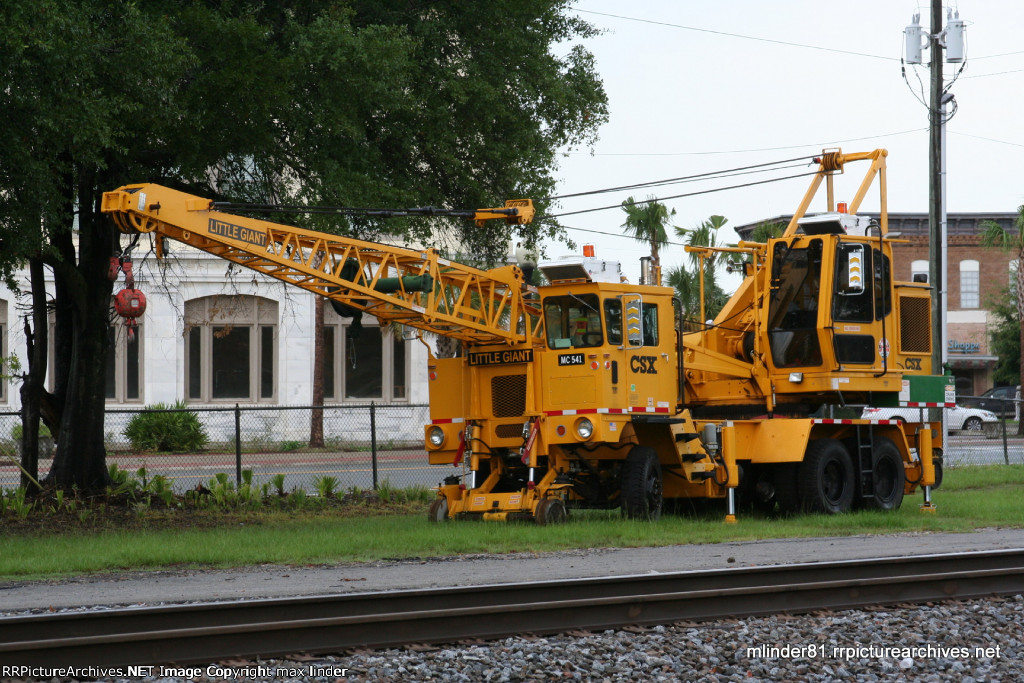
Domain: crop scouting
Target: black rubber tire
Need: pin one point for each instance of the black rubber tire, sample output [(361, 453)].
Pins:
[(888, 476), (973, 424), (641, 496), (438, 511), (825, 478), (550, 511)]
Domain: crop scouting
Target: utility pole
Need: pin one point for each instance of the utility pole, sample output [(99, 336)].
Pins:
[(945, 42), (936, 200)]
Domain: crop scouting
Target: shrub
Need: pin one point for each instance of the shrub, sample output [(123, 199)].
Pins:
[(180, 430), (17, 431)]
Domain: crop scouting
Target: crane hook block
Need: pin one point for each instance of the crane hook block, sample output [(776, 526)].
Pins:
[(130, 303)]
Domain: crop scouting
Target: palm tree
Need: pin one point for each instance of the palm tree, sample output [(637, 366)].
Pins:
[(687, 281), (996, 236), (646, 222), (763, 232)]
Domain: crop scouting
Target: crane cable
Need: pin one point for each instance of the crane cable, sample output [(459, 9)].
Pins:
[(432, 211)]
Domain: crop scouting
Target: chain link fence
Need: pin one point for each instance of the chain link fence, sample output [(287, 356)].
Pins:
[(364, 447), (995, 441)]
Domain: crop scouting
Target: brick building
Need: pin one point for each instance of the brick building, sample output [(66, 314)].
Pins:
[(976, 277)]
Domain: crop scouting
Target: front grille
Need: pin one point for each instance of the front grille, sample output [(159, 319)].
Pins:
[(509, 431), (915, 325), (508, 396)]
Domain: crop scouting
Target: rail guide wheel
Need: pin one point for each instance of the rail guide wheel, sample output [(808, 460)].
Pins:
[(550, 511), (438, 511)]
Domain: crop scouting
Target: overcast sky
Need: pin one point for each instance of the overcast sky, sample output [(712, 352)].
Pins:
[(795, 76)]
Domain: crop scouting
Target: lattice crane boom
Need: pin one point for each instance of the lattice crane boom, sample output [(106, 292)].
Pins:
[(417, 288)]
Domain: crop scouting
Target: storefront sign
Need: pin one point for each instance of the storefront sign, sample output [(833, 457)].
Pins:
[(963, 347)]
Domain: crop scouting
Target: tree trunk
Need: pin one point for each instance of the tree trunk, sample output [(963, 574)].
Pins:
[(33, 387), (1020, 321), (316, 424), (83, 309)]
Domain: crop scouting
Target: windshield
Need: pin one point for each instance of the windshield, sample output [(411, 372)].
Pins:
[(793, 307), (573, 321)]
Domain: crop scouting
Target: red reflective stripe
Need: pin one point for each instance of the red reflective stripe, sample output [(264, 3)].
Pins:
[(604, 411)]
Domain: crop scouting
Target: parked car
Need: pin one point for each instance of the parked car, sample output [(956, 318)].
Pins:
[(960, 417), (999, 400)]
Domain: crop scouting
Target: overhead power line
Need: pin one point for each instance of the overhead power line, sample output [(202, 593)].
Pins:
[(982, 137), (994, 73), (727, 173), (738, 35), (679, 196), (749, 151)]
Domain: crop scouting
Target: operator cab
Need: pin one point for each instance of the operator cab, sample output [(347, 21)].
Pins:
[(831, 298)]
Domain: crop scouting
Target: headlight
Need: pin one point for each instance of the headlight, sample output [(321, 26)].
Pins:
[(436, 436), (584, 428)]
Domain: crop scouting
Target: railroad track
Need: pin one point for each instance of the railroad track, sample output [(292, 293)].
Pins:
[(208, 632)]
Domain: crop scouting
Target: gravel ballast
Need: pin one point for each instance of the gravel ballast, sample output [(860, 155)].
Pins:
[(966, 642)]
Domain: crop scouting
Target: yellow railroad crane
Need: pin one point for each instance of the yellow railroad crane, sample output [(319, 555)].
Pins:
[(587, 393)]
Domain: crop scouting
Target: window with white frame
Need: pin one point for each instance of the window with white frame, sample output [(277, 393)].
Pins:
[(919, 271), (368, 364), (230, 343), (3, 351), (124, 363), (970, 284)]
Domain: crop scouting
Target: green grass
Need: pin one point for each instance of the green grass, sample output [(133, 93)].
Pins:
[(971, 498)]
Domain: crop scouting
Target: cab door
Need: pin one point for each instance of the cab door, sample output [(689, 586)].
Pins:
[(647, 357), (861, 302)]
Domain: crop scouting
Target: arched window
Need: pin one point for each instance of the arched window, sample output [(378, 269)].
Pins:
[(368, 366), (919, 271), (230, 349), (970, 284)]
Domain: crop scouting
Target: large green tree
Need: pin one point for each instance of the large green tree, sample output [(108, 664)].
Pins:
[(384, 103), (1005, 338)]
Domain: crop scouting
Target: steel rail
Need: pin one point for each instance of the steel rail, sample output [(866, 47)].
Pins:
[(209, 632)]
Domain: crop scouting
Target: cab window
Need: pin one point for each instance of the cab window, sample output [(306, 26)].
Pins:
[(793, 305), (650, 315), (613, 320), (573, 321)]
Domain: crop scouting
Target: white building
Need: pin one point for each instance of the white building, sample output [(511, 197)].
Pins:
[(217, 336)]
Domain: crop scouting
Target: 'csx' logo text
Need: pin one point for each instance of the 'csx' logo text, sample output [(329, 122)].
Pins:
[(643, 365)]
